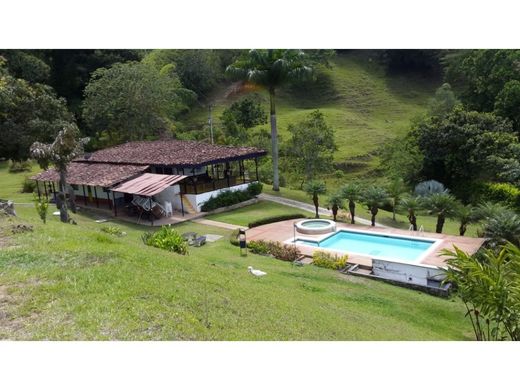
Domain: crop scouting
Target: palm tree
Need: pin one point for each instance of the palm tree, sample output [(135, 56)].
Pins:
[(487, 210), (335, 202), (411, 204), (442, 204), (270, 69), (466, 214), (374, 198), (315, 188), (395, 189), (66, 147), (352, 193)]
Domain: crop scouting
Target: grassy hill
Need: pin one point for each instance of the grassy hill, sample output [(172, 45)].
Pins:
[(74, 282), (365, 106)]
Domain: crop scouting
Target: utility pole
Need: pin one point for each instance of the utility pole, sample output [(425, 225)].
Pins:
[(210, 123)]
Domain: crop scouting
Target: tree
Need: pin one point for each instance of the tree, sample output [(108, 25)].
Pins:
[(507, 103), (66, 147), (489, 286), (443, 205), (411, 204), (352, 193), (199, 70), (26, 65), (132, 101), (466, 214), (395, 189), (28, 112), (374, 198), (458, 148), (271, 69), (335, 202), (443, 102), (240, 117), (311, 147), (315, 188)]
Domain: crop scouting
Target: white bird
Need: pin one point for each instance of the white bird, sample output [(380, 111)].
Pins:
[(256, 272)]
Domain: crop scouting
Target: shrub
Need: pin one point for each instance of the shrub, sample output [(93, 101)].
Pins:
[(20, 166), (273, 248), (42, 206), (113, 230), (277, 218), (28, 186), (229, 198), (166, 238), (255, 188), (329, 260), (502, 192)]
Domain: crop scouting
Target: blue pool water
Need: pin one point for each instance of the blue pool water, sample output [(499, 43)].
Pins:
[(373, 245)]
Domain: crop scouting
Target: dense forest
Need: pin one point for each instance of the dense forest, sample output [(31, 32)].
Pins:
[(462, 130)]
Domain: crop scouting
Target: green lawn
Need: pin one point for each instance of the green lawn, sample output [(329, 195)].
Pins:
[(73, 282), (262, 209)]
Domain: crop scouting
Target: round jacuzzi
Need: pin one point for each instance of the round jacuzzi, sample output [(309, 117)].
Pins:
[(316, 226)]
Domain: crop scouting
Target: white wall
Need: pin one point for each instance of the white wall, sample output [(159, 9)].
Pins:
[(409, 273), (197, 200)]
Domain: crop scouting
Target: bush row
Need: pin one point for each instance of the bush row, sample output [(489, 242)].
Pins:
[(329, 260), (229, 198), (272, 248), (502, 192), (277, 218), (166, 238)]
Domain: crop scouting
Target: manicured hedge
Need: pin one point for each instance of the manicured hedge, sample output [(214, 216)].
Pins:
[(229, 198), (277, 218), (502, 192)]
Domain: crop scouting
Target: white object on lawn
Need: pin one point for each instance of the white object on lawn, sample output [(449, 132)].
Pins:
[(56, 213), (256, 272)]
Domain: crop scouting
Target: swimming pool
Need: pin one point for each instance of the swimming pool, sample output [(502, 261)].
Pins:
[(374, 245)]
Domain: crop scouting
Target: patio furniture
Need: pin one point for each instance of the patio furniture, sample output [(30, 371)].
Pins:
[(199, 241), (190, 237)]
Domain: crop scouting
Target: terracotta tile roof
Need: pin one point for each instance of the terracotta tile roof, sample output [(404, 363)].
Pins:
[(171, 152), (96, 174), (148, 184)]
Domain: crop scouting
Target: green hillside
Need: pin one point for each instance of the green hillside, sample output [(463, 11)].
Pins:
[(365, 106)]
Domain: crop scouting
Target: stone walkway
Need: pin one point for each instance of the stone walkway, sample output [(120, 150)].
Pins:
[(223, 225), (308, 207)]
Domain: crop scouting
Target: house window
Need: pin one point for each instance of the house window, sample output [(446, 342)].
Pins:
[(75, 187), (159, 170), (168, 171)]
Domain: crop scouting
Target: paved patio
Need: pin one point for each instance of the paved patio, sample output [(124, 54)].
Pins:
[(284, 230)]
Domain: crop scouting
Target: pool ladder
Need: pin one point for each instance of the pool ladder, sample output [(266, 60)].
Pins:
[(420, 232)]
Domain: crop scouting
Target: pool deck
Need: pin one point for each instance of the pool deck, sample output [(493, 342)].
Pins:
[(284, 230)]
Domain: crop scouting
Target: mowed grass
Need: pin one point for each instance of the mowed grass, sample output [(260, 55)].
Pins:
[(262, 209), (74, 282)]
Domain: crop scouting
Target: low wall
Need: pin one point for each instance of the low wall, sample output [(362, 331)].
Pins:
[(232, 207), (407, 273), (196, 201)]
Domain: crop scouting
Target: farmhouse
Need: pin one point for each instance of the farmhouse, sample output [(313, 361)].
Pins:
[(159, 177)]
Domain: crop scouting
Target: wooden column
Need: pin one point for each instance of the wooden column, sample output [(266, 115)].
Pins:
[(84, 194), (95, 195), (38, 188), (243, 170), (114, 200), (45, 188), (256, 167), (182, 204), (151, 214)]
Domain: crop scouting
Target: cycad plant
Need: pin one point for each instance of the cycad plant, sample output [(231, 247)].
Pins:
[(315, 188), (395, 190), (411, 204), (502, 227), (271, 69), (374, 198), (466, 214), (335, 202), (443, 205), (352, 193)]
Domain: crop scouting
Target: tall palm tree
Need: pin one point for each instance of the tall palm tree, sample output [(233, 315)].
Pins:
[(442, 204), (352, 193), (411, 204), (315, 188), (335, 202), (374, 198), (271, 69), (395, 190)]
